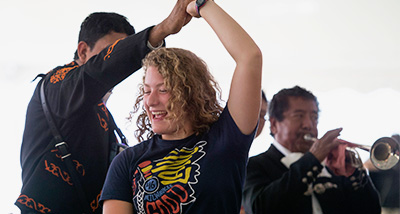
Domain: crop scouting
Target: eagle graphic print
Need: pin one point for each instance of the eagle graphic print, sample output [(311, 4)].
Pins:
[(166, 185)]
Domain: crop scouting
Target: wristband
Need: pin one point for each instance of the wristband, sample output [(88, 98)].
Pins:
[(154, 48), (199, 4)]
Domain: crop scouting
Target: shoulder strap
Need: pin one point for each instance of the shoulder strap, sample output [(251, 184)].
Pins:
[(48, 115), (120, 145), (123, 141), (62, 147)]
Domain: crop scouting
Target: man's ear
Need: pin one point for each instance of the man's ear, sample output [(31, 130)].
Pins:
[(273, 122), (82, 50)]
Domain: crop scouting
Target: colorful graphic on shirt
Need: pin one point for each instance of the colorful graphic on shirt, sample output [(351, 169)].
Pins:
[(165, 185)]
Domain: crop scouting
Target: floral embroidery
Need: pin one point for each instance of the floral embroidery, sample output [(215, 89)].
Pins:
[(31, 203), (60, 74), (55, 170), (110, 50), (95, 203), (78, 166), (103, 122)]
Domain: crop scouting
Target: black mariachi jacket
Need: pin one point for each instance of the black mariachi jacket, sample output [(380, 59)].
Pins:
[(272, 188), (74, 95)]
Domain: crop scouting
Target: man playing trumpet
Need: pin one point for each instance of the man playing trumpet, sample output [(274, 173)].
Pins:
[(291, 176)]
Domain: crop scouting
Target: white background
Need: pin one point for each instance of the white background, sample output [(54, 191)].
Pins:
[(347, 52)]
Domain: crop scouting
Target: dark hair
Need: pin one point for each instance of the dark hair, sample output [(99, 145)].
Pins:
[(280, 101), (99, 24), (263, 96)]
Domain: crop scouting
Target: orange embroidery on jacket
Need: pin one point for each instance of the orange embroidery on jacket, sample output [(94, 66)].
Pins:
[(60, 74), (55, 170), (71, 63), (78, 166), (104, 109), (103, 122), (31, 203), (110, 50), (95, 203), (56, 153)]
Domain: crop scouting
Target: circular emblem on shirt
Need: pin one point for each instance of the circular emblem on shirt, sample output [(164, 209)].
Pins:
[(151, 185)]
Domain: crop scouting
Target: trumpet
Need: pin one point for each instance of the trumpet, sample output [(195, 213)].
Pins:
[(384, 152)]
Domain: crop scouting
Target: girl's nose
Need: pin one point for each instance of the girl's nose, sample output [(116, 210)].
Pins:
[(152, 99)]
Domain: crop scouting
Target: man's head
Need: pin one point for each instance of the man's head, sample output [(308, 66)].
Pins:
[(98, 25), (293, 112)]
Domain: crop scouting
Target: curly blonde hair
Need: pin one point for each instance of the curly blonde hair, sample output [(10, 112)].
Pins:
[(195, 94)]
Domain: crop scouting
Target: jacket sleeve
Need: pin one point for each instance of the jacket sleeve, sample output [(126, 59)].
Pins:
[(358, 193), (269, 188), (85, 85), (119, 60)]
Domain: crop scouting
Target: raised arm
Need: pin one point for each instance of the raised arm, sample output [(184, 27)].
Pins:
[(245, 93), (172, 24)]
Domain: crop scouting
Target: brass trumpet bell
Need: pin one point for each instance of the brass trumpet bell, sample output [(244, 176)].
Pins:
[(384, 153)]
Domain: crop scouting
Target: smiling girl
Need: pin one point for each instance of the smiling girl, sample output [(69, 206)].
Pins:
[(194, 156)]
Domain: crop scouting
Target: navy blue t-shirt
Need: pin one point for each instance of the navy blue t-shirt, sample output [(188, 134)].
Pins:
[(198, 174)]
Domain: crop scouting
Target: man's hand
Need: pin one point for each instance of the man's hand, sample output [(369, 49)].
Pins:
[(172, 24), (322, 147)]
